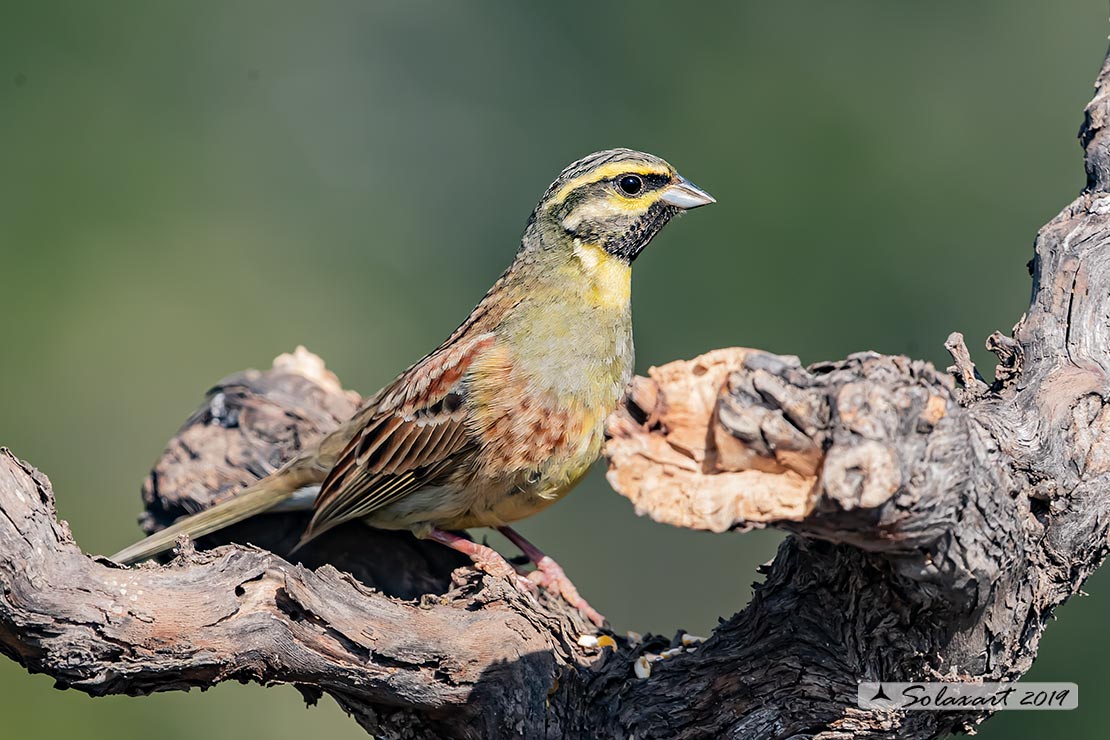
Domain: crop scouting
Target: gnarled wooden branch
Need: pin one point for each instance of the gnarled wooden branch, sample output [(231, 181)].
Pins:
[(935, 525)]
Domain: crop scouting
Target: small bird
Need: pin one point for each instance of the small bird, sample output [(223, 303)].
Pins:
[(507, 415)]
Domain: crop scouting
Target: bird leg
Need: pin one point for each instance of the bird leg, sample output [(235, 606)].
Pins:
[(485, 559), (550, 575)]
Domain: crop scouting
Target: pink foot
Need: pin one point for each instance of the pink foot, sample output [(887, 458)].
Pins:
[(551, 576), (485, 559)]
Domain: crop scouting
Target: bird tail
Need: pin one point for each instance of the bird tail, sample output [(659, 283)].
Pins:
[(277, 492)]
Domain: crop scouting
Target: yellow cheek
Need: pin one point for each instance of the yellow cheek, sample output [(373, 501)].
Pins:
[(611, 284), (637, 205)]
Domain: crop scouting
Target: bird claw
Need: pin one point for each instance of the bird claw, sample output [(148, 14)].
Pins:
[(548, 574), (526, 584), (492, 563), (551, 576)]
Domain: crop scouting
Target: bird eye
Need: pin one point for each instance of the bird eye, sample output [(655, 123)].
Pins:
[(630, 184)]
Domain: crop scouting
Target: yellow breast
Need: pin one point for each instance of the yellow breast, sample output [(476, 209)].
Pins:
[(538, 397), (611, 277)]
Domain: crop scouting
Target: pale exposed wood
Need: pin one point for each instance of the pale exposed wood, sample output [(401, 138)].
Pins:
[(677, 464)]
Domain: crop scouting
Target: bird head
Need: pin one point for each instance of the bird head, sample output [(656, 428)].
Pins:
[(616, 200)]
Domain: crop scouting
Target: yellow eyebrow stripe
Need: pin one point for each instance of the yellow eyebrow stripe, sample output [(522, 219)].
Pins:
[(605, 172)]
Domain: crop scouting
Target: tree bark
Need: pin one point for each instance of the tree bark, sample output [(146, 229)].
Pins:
[(936, 521)]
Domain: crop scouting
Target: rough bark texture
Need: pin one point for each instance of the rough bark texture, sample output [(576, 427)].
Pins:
[(936, 522)]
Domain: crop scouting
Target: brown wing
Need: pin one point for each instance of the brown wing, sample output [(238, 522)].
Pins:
[(411, 434)]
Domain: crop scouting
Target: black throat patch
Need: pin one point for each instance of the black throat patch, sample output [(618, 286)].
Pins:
[(628, 245)]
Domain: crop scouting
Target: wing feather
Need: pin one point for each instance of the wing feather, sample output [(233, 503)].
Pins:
[(409, 436)]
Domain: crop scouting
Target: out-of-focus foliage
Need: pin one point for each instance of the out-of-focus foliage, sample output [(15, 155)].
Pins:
[(189, 189)]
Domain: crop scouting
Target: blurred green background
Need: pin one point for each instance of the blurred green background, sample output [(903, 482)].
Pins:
[(189, 189)]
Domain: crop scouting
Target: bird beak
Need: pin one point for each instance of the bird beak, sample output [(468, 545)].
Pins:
[(686, 195)]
